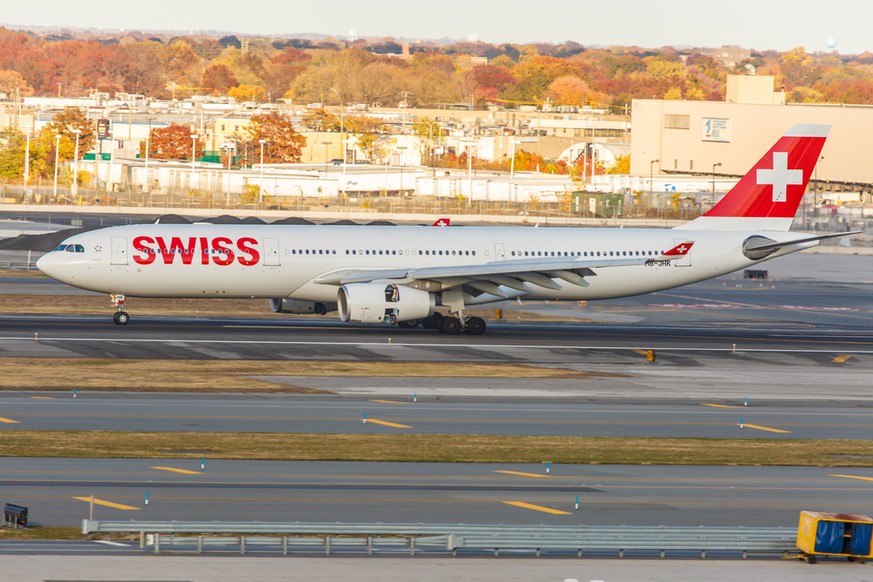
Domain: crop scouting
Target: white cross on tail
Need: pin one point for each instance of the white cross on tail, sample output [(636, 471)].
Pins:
[(780, 176)]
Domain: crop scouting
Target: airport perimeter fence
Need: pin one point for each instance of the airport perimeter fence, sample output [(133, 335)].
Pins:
[(457, 539)]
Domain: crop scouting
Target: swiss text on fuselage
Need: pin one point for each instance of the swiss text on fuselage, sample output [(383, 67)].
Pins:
[(196, 250)]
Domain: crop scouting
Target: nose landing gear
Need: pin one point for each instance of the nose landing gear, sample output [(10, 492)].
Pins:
[(120, 317)]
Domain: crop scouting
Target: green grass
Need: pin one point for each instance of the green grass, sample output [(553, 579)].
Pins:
[(437, 448)]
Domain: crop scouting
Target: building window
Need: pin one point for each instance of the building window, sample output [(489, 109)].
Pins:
[(677, 121)]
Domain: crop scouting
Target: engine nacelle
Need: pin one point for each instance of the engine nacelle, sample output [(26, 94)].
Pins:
[(297, 306), (382, 303)]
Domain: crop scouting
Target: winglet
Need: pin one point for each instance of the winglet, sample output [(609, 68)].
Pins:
[(442, 222)]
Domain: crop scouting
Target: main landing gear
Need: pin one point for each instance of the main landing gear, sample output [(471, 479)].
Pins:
[(120, 317), (452, 325)]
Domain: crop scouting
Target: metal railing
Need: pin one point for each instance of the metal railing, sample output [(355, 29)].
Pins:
[(243, 537)]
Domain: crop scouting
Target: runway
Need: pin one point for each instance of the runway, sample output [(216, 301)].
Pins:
[(58, 492), (345, 415)]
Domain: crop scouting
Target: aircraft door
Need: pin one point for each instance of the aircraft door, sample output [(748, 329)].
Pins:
[(499, 252), (271, 252), (683, 261), (119, 250)]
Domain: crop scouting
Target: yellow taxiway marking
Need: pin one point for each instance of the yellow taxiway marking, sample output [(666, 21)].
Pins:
[(841, 359), (43, 397), (853, 477), (175, 470), (386, 423), (108, 503), (719, 405), (520, 474), (524, 505), (8, 420), (765, 428), (389, 402)]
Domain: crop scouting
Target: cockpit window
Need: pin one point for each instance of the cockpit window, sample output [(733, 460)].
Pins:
[(71, 248), (61, 247)]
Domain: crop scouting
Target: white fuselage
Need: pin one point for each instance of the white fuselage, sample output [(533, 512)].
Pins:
[(283, 261)]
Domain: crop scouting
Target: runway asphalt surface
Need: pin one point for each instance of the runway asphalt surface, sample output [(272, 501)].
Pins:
[(58, 491), (345, 415)]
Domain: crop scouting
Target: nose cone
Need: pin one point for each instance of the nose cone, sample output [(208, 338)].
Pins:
[(48, 264), (58, 265)]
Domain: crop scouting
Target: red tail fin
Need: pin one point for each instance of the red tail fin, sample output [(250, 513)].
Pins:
[(770, 193)]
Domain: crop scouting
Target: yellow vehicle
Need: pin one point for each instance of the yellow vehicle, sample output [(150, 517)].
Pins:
[(834, 534)]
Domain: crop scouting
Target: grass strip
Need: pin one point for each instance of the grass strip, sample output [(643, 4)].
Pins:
[(437, 448), (45, 533), (237, 375)]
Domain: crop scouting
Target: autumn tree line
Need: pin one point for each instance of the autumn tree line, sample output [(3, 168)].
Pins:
[(336, 72)]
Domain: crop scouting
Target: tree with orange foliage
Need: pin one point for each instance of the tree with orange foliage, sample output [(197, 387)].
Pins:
[(283, 143), (174, 142), (68, 122), (568, 90)]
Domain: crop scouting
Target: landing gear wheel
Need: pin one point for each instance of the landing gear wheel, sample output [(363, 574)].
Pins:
[(120, 318), (411, 324), (450, 325), (476, 326), (433, 321)]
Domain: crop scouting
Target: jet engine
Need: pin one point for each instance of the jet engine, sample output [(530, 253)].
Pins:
[(382, 303), (297, 306)]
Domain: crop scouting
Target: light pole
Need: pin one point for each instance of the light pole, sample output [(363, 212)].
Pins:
[(261, 178), (512, 153), (651, 180), (470, 173), (75, 186), (26, 164), (512, 158), (326, 145), (815, 187), (193, 157), (148, 138), (57, 149), (714, 166), (401, 149), (814, 195), (147, 186)]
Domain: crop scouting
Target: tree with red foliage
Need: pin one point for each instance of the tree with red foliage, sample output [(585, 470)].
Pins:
[(218, 79)]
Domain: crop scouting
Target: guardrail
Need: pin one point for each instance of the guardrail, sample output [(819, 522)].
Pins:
[(245, 537)]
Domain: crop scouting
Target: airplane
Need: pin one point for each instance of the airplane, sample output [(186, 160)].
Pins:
[(412, 276)]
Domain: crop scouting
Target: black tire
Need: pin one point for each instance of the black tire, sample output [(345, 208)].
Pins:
[(811, 559), (411, 324), (120, 318), (433, 321), (476, 326), (450, 325)]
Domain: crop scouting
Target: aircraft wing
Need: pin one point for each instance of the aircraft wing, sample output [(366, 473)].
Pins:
[(487, 277)]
